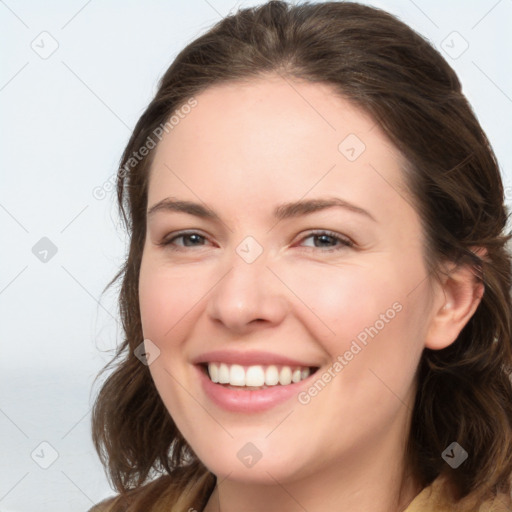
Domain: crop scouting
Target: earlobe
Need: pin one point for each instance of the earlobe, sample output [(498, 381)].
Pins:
[(457, 298)]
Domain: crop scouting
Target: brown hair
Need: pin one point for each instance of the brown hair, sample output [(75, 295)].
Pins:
[(372, 59)]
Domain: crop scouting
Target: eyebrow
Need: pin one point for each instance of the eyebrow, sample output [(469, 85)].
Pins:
[(281, 212)]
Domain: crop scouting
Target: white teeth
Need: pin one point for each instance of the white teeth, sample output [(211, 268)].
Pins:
[(255, 376), (271, 375), (223, 374), (285, 376), (214, 372), (237, 375)]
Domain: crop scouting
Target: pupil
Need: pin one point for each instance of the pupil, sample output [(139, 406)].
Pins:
[(192, 237), (325, 238)]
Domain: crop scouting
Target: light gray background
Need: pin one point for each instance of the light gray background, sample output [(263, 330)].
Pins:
[(65, 120)]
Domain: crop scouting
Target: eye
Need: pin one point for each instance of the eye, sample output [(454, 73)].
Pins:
[(189, 239), (328, 240)]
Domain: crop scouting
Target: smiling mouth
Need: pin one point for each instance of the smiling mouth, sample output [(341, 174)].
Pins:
[(255, 377)]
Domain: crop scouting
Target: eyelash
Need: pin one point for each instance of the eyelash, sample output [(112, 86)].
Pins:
[(344, 242)]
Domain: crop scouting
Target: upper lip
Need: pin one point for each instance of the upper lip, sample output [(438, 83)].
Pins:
[(249, 358)]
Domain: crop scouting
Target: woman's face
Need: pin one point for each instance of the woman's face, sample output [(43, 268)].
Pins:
[(261, 275)]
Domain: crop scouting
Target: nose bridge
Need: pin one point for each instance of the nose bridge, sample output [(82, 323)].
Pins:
[(248, 291)]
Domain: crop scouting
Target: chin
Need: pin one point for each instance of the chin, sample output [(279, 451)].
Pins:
[(253, 463)]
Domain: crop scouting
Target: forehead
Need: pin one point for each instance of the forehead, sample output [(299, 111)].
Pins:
[(272, 137), (273, 111)]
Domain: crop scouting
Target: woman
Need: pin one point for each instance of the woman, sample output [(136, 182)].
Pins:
[(316, 300)]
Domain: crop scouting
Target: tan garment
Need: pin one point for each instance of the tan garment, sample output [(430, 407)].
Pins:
[(430, 499), (433, 499)]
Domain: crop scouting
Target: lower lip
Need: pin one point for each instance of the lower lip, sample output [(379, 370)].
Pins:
[(244, 400)]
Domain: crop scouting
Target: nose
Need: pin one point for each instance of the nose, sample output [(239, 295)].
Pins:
[(248, 297)]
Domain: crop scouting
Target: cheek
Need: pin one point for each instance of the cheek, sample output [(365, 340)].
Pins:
[(166, 296), (366, 316), (155, 301), (166, 299), (374, 350), (339, 302)]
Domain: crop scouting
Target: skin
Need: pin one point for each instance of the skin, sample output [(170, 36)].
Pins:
[(244, 149)]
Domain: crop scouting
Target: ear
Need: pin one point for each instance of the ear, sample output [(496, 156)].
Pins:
[(456, 299)]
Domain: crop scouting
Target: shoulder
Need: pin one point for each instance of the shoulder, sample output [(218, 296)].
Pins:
[(183, 489), (501, 503), (104, 506), (436, 498), (119, 503)]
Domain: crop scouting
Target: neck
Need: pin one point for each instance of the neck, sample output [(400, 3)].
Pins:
[(374, 478)]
